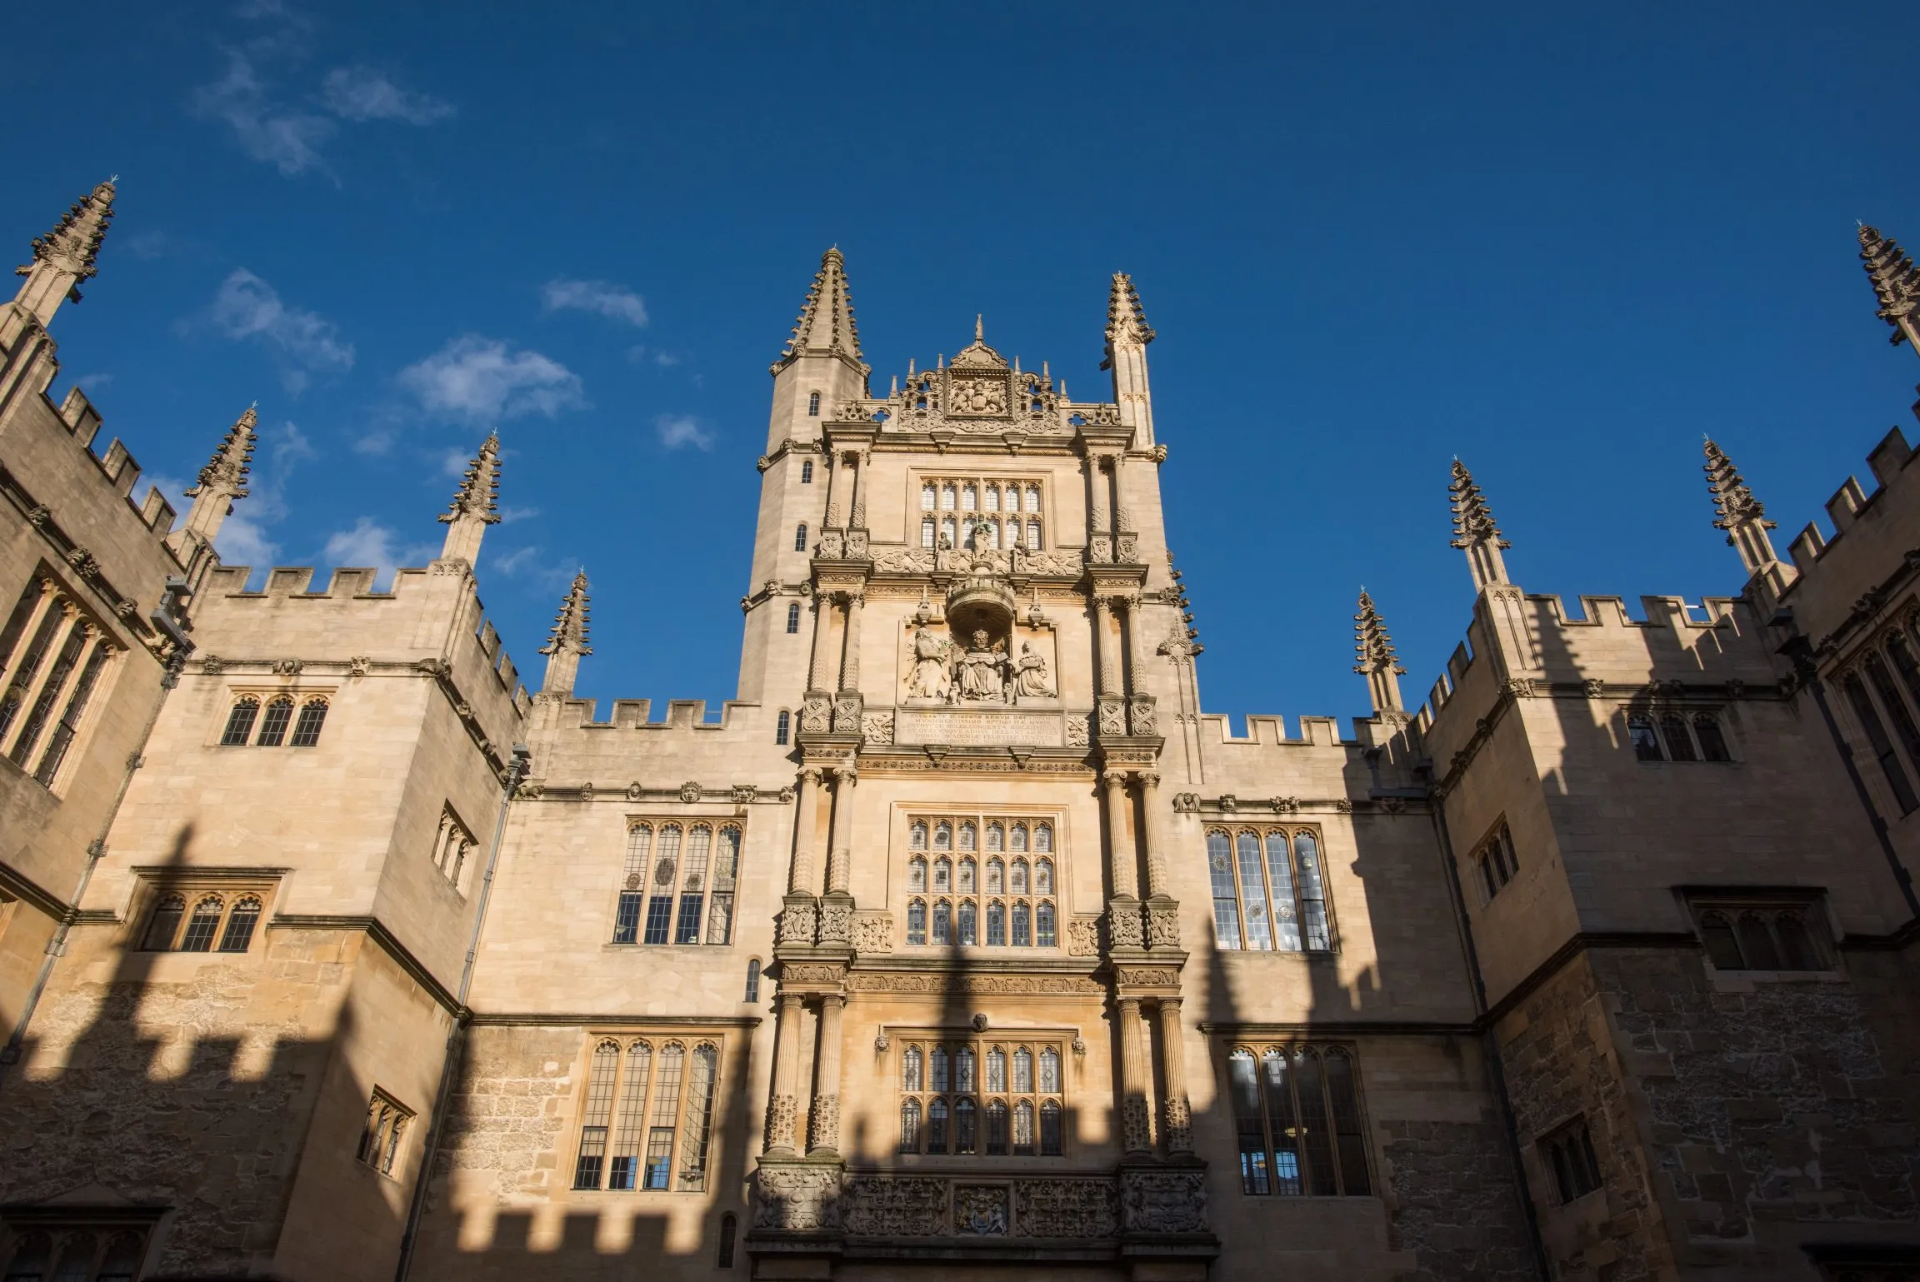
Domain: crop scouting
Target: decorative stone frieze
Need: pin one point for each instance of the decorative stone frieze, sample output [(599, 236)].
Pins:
[(796, 1197), (1164, 1201)]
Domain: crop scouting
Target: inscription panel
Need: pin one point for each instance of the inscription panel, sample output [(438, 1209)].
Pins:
[(971, 729)]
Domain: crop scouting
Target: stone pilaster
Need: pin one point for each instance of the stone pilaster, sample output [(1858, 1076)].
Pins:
[(806, 825), (1176, 1115), (840, 844), (781, 1102), (1136, 1115), (823, 1118)]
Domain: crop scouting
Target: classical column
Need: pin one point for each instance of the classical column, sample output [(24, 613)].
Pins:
[(1136, 1119), (830, 460), (1121, 864), (1136, 648), (823, 1118), (1176, 1116), (860, 460), (1105, 676), (806, 827), (822, 634), (786, 1072), (850, 659), (1151, 854), (839, 847)]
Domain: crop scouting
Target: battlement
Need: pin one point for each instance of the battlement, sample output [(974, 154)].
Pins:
[(636, 714), (1271, 730), (117, 465), (1887, 461)]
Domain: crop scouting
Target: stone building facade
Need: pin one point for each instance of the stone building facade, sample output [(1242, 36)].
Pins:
[(965, 943)]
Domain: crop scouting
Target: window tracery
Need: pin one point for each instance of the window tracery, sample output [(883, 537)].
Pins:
[(1006, 903), (53, 655), (387, 1122), (1296, 1112), (1269, 889), (947, 1085), (648, 1110), (218, 922), (678, 884), (252, 722), (1000, 512)]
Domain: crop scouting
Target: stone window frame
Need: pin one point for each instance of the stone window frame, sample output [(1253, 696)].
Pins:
[(1748, 924), (1343, 1158), (919, 1098), (453, 846), (1268, 904), (1567, 1156), (642, 917), (192, 895), (57, 661), (977, 899), (112, 1241), (297, 729), (793, 618), (382, 1134), (942, 519), (1679, 735), (783, 728), (1879, 684), (1495, 862), (635, 1085), (813, 404)]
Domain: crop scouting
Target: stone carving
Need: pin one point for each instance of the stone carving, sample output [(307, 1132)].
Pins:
[(743, 793), (359, 665), (1066, 1208), (823, 1122), (1030, 679), (999, 728), (983, 394), (1123, 926), (287, 667), (1147, 976), (1285, 805), (877, 727), (836, 921), (213, 665), (780, 1111), (846, 712), (1100, 548), (1079, 732), (1136, 1128), (633, 791), (1164, 1201), (932, 665), (531, 790), (980, 674), (1126, 549), (1186, 803), (82, 560), (896, 1206), (873, 933), (1140, 712), (1520, 687), (1344, 805), (812, 973), (1061, 563), (980, 1209), (39, 514), (586, 791), (690, 792), (1163, 925), (1113, 719), (796, 1198), (904, 561), (1019, 985), (1083, 936), (830, 546), (1179, 1125), (816, 715), (1229, 804), (798, 923)]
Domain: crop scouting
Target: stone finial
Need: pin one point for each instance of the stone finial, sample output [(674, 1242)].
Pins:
[(220, 482), (826, 326), (474, 504), (568, 640), (1474, 531), (66, 255), (1738, 512), (1126, 319), (1374, 648), (1896, 284)]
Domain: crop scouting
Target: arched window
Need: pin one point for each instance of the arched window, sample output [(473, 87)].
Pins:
[(1049, 1071), (965, 883), (164, 924), (596, 1114), (753, 980), (1756, 944), (1797, 951), (1646, 744), (633, 895), (693, 885), (1023, 1129), (813, 405), (963, 1070), (1313, 893), (949, 531), (306, 731), (1246, 849), (238, 935), (793, 617), (996, 876), (937, 1126), (729, 1229), (1021, 918), (911, 1066), (1679, 742), (1349, 1141), (782, 727), (1043, 837), (910, 1126), (968, 922), (996, 1071), (1043, 925), (949, 496), (969, 499), (1050, 1129), (937, 1064), (926, 532), (943, 874), (800, 537), (965, 1126), (1286, 916), (1226, 902), (927, 498), (623, 1170), (1019, 883), (943, 836), (806, 471), (240, 722), (996, 837), (996, 924), (917, 837), (917, 922), (916, 874), (122, 1259), (942, 922), (666, 872), (1033, 498), (32, 1258), (1033, 536), (202, 925), (997, 1129), (702, 1085), (1043, 876), (1723, 949), (992, 498), (966, 836), (1023, 1071), (726, 869), (1019, 837), (1713, 742), (273, 727)]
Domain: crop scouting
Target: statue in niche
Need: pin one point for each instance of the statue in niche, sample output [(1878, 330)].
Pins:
[(943, 554), (932, 676), (981, 674), (1029, 677)]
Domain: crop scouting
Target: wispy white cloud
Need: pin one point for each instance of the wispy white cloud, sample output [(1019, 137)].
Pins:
[(483, 379), (367, 542), (508, 515), (532, 566), (677, 431), (615, 302), (245, 539), (361, 94), (247, 307), (288, 138)]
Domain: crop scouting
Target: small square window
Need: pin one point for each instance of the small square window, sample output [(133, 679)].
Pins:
[(1568, 1153), (386, 1126)]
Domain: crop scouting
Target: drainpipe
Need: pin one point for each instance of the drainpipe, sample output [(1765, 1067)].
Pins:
[(462, 1016)]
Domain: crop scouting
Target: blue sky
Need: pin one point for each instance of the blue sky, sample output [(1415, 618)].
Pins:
[(1560, 243)]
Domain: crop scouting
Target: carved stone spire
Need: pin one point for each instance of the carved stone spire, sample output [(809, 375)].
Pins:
[(1127, 337), (1374, 648), (223, 479), (1896, 284), (1474, 531), (1736, 511), (66, 255), (826, 326), (568, 640), (473, 509)]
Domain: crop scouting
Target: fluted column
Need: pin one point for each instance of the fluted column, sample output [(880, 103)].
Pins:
[(823, 1117), (786, 1072), (1136, 1118), (1176, 1115), (860, 460), (830, 461), (841, 845), (822, 635), (1150, 849), (806, 827), (850, 659), (1137, 648), (1122, 867), (1106, 676)]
